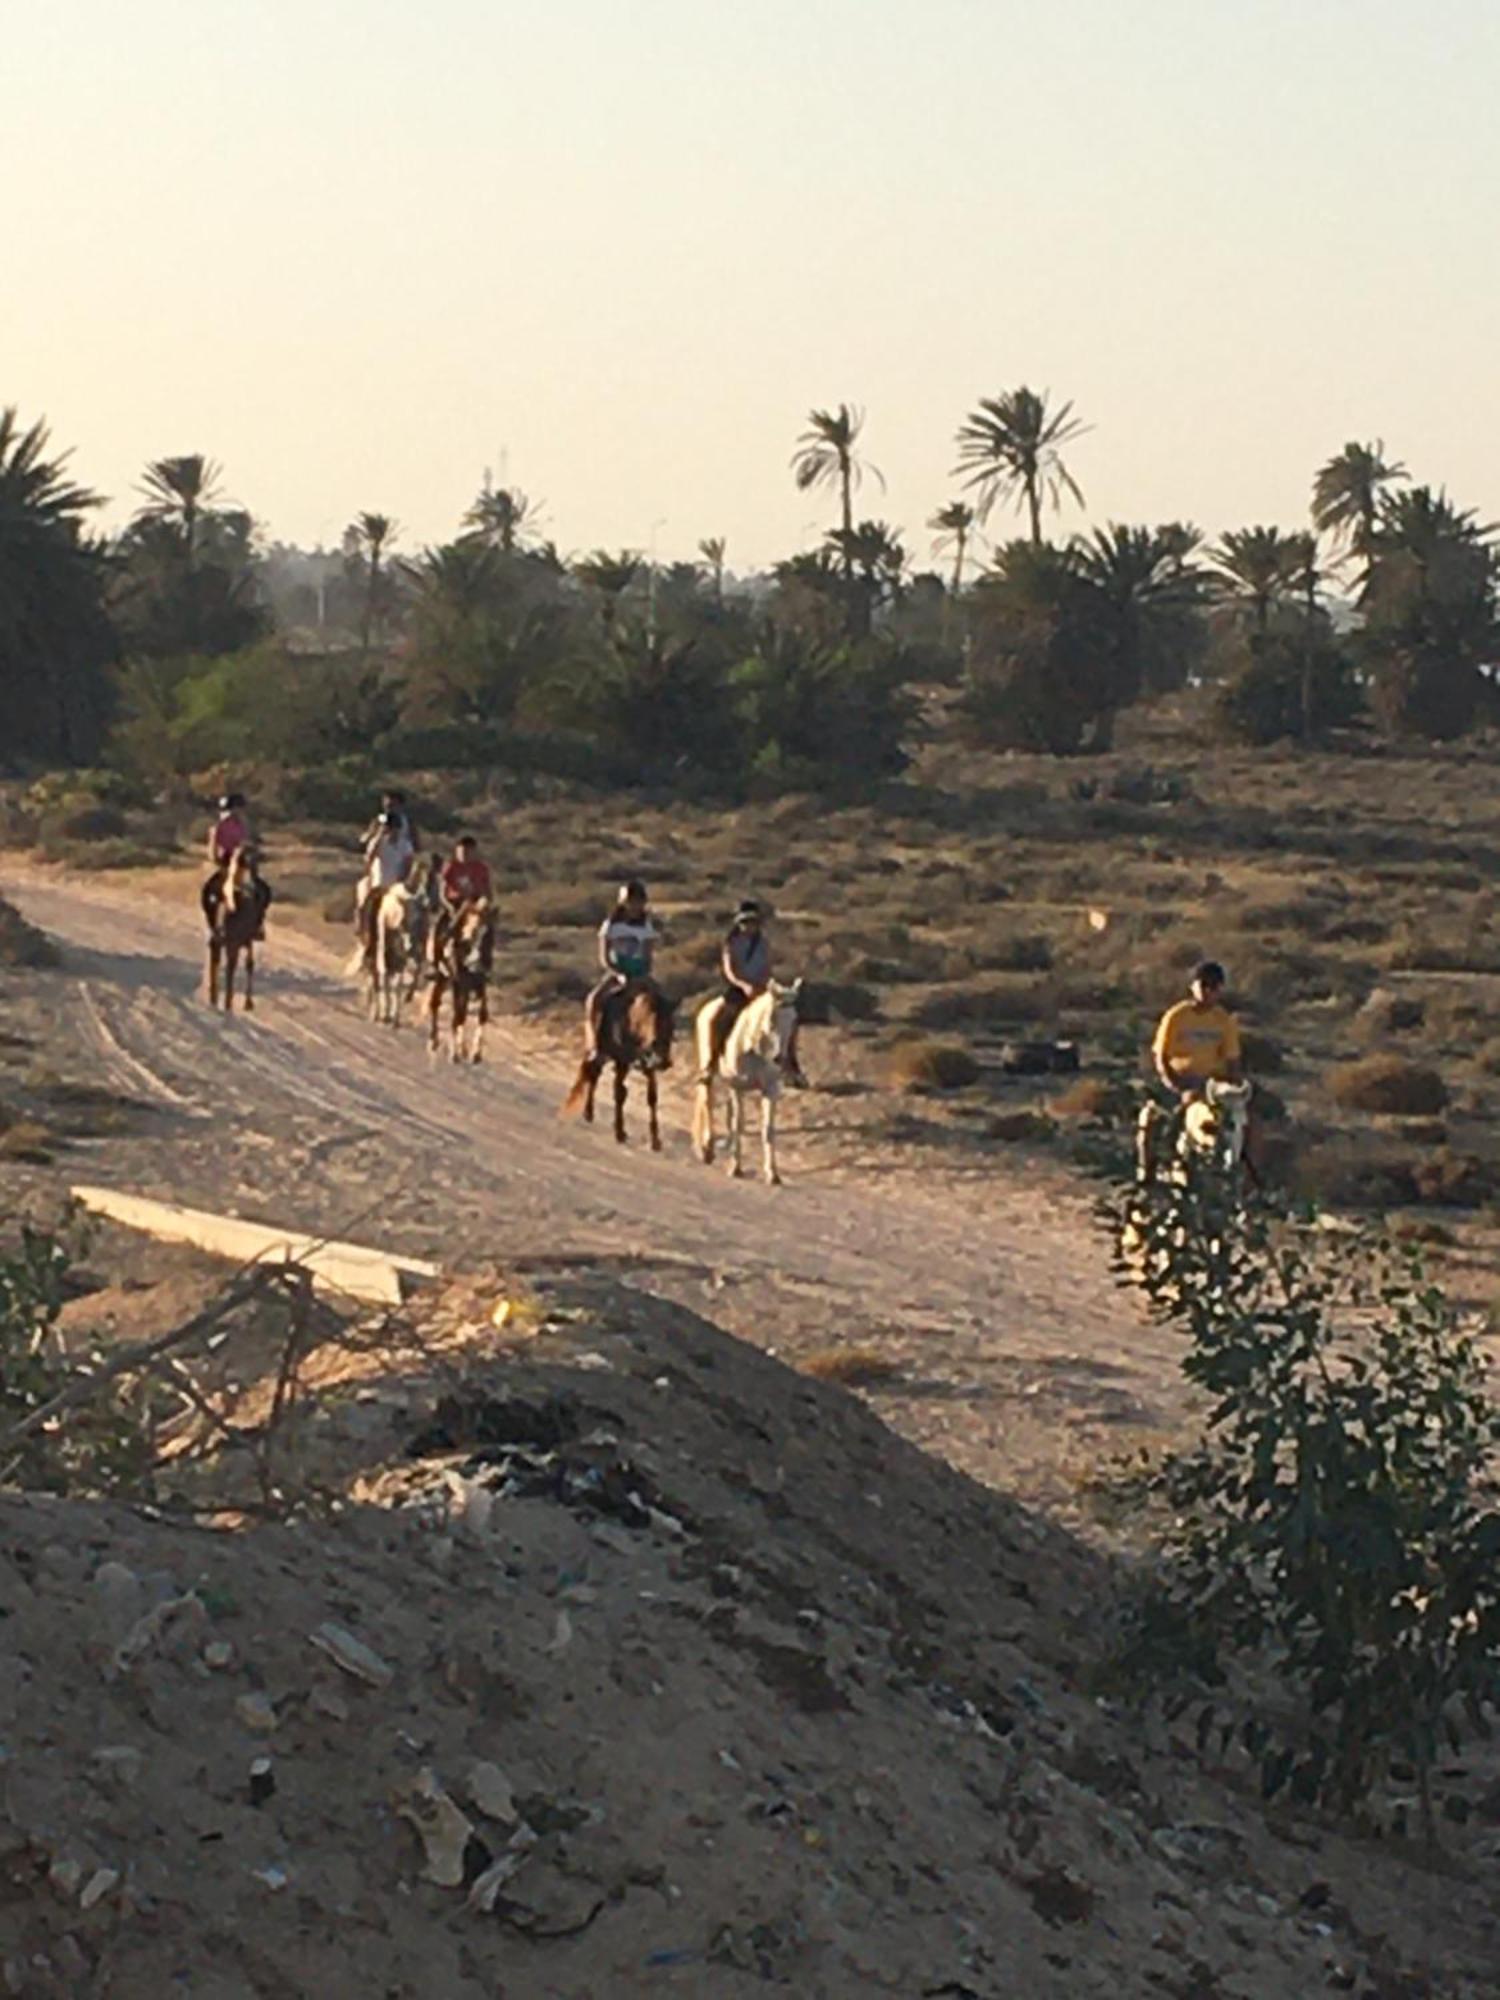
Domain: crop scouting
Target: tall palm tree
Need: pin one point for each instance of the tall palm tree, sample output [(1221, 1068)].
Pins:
[(504, 517), (957, 525), (373, 534), (826, 456), (1011, 448), (1347, 493), (179, 492), (1149, 594), (713, 549), (611, 576), (1261, 567)]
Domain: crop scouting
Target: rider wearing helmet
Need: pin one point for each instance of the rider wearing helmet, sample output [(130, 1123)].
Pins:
[(232, 833), (1198, 1039), (627, 945), (745, 961), (391, 802), (388, 860)]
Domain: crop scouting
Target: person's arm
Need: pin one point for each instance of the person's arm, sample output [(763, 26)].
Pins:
[(726, 962), (606, 949), (1159, 1053), (211, 847)]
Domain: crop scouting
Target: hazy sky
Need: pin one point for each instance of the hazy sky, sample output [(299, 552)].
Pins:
[(353, 249)]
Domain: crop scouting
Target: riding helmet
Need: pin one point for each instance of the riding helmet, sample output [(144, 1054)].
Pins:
[(633, 890), (748, 908)]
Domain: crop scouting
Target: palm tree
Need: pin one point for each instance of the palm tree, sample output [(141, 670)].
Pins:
[(611, 576), (1260, 567), (874, 562), (826, 456), (1347, 493), (957, 524), (1011, 448), (713, 549), (179, 492), (372, 534), (504, 517), (1150, 594)]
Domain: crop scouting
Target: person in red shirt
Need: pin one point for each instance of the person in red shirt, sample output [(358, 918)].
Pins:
[(465, 879)]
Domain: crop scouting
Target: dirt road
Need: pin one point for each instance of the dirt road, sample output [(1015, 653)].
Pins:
[(1019, 1359)]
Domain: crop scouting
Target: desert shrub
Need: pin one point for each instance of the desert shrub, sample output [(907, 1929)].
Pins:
[(1263, 1055), (1287, 684), (1337, 1516), (1015, 1127), (926, 1065), (82, 822), (1346, 1177), (1454, 1180), (27, 1141), (22, 943), (853, 1367), (1097, 1097), (1488, 1058), (1018, 954), (104, 1445), (1388, 1085), (1386, 1013), (974, 1005), (341, 792), (827, 1000)]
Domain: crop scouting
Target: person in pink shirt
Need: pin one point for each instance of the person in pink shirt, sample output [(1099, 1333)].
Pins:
[(231, 834)]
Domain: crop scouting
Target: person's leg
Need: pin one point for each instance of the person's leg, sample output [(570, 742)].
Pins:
[(731, 1006)]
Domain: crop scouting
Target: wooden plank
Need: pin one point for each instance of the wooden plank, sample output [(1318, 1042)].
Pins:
[(373, 1276)]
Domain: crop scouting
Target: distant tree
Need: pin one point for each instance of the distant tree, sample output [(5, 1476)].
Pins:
[(1151, 599), (713, 549), (1040, 675), (1259, 568), (56, 640), (1010, 448), (372, 535), (1429, 607), (483, 634), (1347, 493), (955, 526), (179, 492), (504, 517), (874, 563), (609, 576), (826, 455)]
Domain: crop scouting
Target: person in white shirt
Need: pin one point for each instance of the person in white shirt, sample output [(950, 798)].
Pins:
[(627, 946), (389, 857)]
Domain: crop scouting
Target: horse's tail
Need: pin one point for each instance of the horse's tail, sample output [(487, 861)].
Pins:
[(573, 1103)]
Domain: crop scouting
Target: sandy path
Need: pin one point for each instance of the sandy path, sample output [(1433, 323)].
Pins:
[(1021, 1359)]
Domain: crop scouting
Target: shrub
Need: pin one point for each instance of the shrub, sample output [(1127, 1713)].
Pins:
[(1262, 1055), (1095, 1097), (827, 1000), (83, 822), (1388, 1085), (1019, 954), (1014, 1127), (1337, 1517), (1290, 684), (854, 1367), (924, 1065), (1454, 1180), (1386, 1013), (978, 1006)]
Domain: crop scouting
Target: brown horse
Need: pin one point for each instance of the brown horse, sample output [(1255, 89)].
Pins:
[(461, 972), (635, 1032), (234, 917)]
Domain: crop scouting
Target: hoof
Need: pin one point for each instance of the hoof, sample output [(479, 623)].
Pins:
[(656, 1145), (773, 1180), (736, 1173)]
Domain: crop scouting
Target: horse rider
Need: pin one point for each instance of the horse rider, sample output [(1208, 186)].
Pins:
[(232, 833), (465, 879), (745, 961), (391, 802), (388, 860), (627, 945), (1197, 1041)]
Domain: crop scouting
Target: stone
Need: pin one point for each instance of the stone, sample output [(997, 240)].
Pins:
[(352, 1655)]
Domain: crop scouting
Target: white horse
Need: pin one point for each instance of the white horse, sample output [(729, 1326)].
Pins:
[(1212, 1131), (754, 1059), (393, 964)]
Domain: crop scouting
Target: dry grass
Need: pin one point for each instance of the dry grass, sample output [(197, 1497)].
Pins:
[(925, 1065), (1091, 1097), (1388, 1085), (27, 1141), (851, 1367)]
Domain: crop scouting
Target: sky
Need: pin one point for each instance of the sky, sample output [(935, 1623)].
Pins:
[(614, 250)]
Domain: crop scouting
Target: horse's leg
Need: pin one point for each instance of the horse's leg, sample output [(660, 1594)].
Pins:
[(249, 978), (231, 966), (213, 972), (651, 1105), (457, 1019), (736, 1133), (481, 1022), (434, 1013), (703, 1122), (768, 1139), (621, 1074)]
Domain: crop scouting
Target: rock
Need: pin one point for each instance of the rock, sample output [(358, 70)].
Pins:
[(275, 1876), (485, 1893), (443, 1828), (257, 1712), (334, 1706), (218, 1654), (66, 1877), (169, 1626), (353, 1655), (489, 1791)]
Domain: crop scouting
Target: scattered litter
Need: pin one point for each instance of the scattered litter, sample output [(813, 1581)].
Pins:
[(562, 1635), (444, 1829), (275, 1877), (66, 1877), (489, 1790), (334, 1706), (485, 1892), (169, 1619), (218, 1654), (262, 1781), (98, 1887), (257, 1712), (353, 1655)]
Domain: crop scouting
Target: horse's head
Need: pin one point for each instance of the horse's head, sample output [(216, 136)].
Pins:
[(1215, 1122), (474, 937), (650, 1021)]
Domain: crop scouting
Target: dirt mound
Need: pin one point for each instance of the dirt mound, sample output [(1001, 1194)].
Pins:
[(632, 1662)]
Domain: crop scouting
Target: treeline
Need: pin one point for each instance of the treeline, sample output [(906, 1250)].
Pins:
[(184, 644)]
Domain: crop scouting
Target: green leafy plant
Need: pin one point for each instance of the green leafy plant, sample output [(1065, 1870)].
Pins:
[(1336, 1522)]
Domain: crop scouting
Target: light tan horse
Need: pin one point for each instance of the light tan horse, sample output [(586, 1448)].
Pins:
[(754, 1061), (231, 933)]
